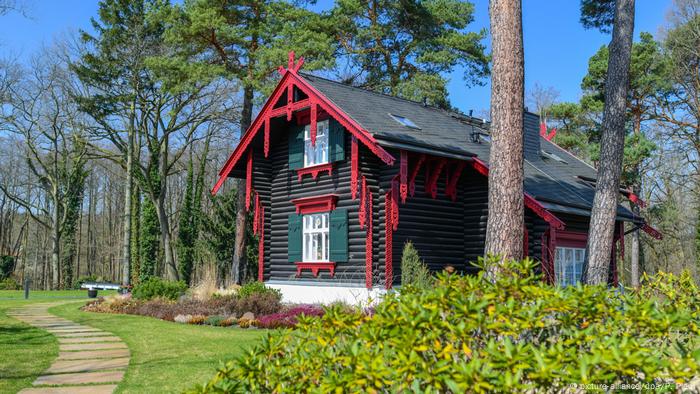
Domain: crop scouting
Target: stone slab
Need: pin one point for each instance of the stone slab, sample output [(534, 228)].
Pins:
[(101, 389), (89, 339), (68, 331), (93, 354), (87, 365), (82, 334), (79, 378), (92, 346)]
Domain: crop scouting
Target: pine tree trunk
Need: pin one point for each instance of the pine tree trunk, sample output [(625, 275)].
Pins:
[(239, 255), (602, 225), (504, 229)]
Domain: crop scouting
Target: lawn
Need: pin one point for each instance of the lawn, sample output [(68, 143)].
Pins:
[(26, 351), (166, 356)]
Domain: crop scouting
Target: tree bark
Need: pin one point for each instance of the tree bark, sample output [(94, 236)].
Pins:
[(602, 225), (55, 248), (128, 194), (239, 255), (504, 229), (635, 249)]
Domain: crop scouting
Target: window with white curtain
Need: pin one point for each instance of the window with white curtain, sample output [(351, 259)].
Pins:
[(318, 153), (568, 265), (315, 248)]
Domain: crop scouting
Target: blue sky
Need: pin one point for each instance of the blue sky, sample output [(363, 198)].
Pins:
[(557, 48)]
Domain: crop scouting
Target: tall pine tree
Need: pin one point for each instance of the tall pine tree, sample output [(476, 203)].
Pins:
[(404, 48)]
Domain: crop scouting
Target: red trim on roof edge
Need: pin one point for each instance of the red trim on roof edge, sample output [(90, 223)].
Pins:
[(290, 78), (652, 231), (530, 201)]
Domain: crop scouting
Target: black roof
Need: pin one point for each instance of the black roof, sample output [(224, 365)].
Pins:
[(553, 176)]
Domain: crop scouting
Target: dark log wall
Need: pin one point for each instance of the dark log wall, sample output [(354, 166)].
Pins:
[(284, 186), (444, 232)]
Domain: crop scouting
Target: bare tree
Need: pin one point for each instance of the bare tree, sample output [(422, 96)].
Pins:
[(42, 115), (504, 229), (541, 98), (604, 211)]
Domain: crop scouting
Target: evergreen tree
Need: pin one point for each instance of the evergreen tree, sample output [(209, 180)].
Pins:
[(220, 228), (187, 229), (73, 206), (404, 48), (604, 210), (247, 41), (149, 239)]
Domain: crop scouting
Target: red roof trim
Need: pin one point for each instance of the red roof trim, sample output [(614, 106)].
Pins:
[(344, 119), (530, 201), (249, 134), (289, 79), (652, 231)]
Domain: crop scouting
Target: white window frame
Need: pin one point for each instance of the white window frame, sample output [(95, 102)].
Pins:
[(315, 238), (568, 265), (316, 154)]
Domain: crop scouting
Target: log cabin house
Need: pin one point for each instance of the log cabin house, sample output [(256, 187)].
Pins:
[(339, 178)]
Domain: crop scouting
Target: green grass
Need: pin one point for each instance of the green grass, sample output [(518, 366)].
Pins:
[(166, 356), (26, 350), (48, 295)]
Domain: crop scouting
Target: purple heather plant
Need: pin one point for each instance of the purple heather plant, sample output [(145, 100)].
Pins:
[(289, 317)]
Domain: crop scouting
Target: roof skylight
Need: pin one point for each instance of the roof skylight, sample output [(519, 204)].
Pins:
[(404, 121), (550, 155)]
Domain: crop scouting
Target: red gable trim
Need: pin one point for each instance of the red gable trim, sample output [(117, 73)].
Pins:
[(530, 201), (344, 119), (290, 78), (652, 231), (250, 134)]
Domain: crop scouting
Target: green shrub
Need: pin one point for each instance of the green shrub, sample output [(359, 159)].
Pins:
[(9, 284), (7, 265), (251, 288), (155, 287), (414, 272), (214, 320), (473, 334)]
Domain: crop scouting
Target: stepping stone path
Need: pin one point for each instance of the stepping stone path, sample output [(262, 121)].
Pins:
[(90, 361)]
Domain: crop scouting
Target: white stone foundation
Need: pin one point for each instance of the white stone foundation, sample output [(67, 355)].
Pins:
[(302, 293)]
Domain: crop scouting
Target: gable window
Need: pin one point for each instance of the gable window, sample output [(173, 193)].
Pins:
[(568, 265), (318, 153), (316, 243)]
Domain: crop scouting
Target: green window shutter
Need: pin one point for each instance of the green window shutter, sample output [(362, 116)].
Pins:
[(338, 237), (336, 141), (294, 238), (296, 147)]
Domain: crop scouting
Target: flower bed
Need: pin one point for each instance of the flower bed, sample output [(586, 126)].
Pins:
[(257, 309)]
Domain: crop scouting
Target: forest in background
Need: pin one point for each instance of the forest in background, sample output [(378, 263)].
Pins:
[(110, 141)]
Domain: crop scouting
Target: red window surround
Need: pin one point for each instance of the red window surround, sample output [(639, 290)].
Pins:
[(315, 267), (314, 170), (316, 204), (570, 239)]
